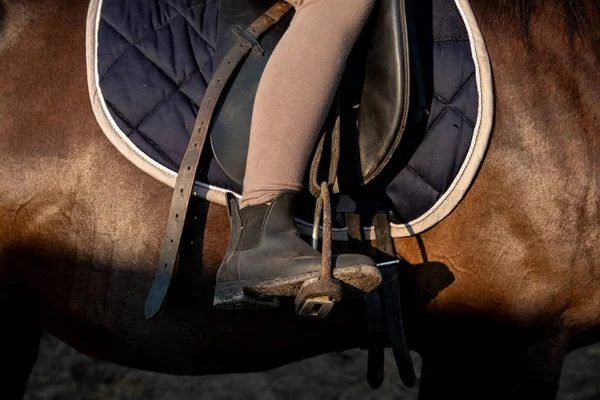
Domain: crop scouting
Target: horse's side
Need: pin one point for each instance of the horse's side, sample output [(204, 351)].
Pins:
[(500, 290)]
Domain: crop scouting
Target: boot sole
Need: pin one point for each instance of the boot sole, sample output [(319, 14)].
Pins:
[(357, 280)]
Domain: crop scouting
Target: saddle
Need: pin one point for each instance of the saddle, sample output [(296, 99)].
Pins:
[(374, 94)]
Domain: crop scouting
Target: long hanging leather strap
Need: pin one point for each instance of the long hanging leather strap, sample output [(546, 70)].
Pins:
[(390, 295), (375, 320), (187, 172)]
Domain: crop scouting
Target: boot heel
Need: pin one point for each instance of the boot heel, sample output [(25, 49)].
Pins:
[(233, 296)]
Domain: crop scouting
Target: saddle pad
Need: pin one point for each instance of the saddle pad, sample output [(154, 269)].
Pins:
[(149, 63)]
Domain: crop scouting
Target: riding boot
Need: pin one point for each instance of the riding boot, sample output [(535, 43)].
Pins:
[(266, 258)]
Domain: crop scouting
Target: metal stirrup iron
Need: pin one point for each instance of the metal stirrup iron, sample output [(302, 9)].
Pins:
[(318, 295)]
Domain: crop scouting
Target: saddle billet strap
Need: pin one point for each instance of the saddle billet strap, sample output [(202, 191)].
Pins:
[(187, 171), (390, 294)]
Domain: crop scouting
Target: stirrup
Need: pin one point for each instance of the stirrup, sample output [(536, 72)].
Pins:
[(318, 295)]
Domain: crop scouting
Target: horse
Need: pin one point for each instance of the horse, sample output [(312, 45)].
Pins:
[(496, 294)]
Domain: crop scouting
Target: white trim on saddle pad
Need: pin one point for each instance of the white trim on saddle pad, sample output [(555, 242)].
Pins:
[(441, 209)]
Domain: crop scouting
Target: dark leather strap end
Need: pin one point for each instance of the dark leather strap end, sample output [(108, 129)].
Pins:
[(390, 294), (375, 358), (158, 291), (393, 310)]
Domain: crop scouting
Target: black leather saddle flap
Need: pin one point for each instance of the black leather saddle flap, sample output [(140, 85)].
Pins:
[(375, 88)]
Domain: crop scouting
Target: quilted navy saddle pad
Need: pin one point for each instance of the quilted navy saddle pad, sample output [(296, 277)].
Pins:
[(148, 68)]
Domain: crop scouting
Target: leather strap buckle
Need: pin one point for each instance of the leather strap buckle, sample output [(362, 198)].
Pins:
[(246, 37)]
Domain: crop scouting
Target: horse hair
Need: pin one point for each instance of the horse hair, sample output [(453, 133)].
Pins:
[(580, 16)]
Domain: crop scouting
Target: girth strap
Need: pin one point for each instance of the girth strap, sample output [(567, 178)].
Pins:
[(187, 171)]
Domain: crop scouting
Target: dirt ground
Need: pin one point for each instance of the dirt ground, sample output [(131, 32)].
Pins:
[(62, 373)]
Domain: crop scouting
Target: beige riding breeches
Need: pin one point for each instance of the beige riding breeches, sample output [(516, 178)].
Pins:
[(296, 92)]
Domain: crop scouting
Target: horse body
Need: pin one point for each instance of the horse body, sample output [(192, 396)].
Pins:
[(498, 291)]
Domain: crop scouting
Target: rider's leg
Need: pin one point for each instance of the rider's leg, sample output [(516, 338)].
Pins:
[(296, 92), (265, 253)]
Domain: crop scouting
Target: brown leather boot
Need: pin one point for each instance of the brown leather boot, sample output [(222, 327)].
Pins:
[(267, 259)]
